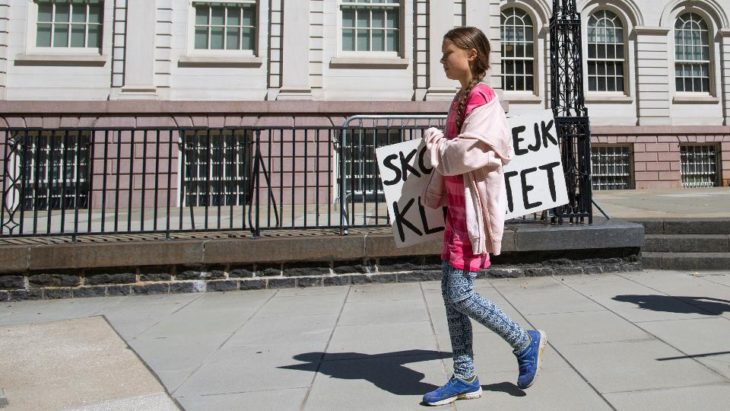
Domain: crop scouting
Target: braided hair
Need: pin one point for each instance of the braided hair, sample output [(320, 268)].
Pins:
[(468, 38)]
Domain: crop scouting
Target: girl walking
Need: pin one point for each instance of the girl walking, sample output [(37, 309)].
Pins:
[(468, 178)]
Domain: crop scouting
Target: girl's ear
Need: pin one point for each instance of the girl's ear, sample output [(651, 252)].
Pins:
[(472, 55)]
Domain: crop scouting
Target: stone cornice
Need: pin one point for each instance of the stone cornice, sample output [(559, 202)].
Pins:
[(651, 31)]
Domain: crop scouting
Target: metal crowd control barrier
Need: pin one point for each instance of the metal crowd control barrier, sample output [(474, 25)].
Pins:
[(382, 127)]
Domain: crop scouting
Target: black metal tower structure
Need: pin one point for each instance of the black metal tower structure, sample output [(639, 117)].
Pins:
[(571, 115)]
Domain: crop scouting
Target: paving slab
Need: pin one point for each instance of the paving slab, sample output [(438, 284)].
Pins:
[(702, 340), (285, 399), (706, 398), (380, 339), (628, 298), (389, 382), (588, 327), (72, 364), (546, 296), (634, 365)]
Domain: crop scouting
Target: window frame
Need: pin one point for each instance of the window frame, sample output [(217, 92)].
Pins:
[(523, 95), (349, 59), (79, 56), (193, 57), (342, 4), (624, 59), (712, 88)]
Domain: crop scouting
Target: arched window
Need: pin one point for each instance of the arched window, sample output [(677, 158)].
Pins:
[(518, 58), (691, 54), (605, 52)]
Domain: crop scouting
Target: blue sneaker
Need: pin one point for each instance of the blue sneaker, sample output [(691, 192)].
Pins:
[(530, 359), (453, 390)]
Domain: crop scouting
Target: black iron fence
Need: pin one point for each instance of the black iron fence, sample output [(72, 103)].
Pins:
[(165, 180)]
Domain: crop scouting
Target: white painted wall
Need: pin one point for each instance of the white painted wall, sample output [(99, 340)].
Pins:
[(415, 74), (43, 81)]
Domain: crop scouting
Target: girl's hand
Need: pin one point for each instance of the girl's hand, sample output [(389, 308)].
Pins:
[(433, 136)]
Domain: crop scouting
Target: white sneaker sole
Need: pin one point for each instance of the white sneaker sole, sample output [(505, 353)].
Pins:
[(467, 396), (543, 342)]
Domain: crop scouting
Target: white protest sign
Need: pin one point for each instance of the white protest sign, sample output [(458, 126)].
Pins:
[(534, 179)]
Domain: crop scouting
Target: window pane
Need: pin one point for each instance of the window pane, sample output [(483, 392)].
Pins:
[(363, 42), (592, 83), (392, 41), (679, 84), (392, 19), (201, 15), (234, 16), (94, 39), (60, 35), (249, 38), (378, 40), (45, 12), (249, 16), (43, 37), (363, 19), (201, 38), (378, 19), (233, 39), (348, 18), (217, 16), (348, 40), (216, 38), (78, 15), (62, 13), (94, 14), (77, 35)]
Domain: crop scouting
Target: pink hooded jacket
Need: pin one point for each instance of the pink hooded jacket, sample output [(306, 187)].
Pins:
[(478, 152)]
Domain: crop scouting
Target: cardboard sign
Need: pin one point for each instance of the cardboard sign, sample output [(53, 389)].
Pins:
[(534, 179)]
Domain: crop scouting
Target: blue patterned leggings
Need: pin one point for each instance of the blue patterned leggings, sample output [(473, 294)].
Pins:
[(462, 303)]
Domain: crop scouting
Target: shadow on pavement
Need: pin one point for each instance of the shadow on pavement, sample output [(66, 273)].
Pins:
[(678, 304), (386, 371)]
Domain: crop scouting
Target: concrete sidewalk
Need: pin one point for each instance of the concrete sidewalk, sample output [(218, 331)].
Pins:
[(710, 202), (652, 340)]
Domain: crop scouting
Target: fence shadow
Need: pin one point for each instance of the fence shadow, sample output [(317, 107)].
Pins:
[(678, 304), (386, 371)]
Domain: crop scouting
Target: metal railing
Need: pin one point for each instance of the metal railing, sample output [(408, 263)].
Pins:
[(165, 180), (70, 182)]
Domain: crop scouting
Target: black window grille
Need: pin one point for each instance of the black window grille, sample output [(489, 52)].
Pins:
[(217, 167), (612, 167), (699, 165), (55, 169)]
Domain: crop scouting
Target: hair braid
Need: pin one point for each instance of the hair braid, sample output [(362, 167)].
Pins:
[(461, 108)]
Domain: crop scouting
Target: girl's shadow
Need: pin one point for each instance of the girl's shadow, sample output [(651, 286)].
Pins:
[(386, 371)]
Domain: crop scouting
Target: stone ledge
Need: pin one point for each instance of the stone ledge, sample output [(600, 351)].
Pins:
[(518, 238)]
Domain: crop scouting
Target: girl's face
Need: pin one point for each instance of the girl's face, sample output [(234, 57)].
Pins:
[(457, 62)]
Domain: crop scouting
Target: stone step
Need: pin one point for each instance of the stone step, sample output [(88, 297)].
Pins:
[(691, 226), (686, 261), (687, 243)]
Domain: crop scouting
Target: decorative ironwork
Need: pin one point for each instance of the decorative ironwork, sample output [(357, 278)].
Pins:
[(12, 184), (571, 115)]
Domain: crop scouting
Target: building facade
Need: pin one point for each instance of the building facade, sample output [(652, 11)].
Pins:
[(657, 73)]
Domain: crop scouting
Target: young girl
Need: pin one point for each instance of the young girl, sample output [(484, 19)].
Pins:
[(468, 178)]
